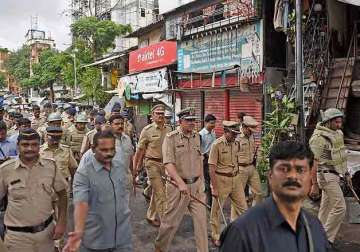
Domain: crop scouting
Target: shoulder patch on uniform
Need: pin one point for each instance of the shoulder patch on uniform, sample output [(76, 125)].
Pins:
[(172, 133)]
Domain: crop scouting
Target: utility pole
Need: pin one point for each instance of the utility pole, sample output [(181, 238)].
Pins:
[(299, 70), (75, 72)]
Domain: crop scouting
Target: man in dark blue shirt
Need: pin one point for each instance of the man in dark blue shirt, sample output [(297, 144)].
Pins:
[(279, 224)]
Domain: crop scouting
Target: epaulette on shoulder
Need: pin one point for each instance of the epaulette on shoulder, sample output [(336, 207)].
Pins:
[(147, 127), (172, 133), (8, 162)]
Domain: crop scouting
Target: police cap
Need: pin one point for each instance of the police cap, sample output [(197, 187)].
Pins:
[(159, 107), (187, 114), (250, 123), (231, 125)]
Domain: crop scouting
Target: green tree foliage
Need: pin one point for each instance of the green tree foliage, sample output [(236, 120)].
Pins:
[(18, 65), (2, 81), (98, 35), (279, 125), (91, 86)]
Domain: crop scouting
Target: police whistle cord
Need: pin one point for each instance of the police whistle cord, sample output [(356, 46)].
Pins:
[(191, 196)]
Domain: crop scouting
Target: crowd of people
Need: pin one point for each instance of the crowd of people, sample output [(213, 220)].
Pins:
[(67, 177)]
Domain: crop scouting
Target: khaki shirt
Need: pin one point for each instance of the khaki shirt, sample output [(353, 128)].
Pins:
[(74, 139), (11, 131), (184, 153), (37, 122), (63, 157), (223, 155), (88, 141), (247, 150), (151, 140), (42, 132), (30, 191)]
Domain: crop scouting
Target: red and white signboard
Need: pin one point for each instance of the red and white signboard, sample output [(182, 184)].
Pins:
[(154, 56)]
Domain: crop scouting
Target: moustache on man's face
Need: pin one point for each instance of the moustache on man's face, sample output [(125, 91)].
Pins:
[(291, 183), (109, 156)]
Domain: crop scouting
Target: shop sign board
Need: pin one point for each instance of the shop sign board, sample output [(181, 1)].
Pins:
[(153, 56)]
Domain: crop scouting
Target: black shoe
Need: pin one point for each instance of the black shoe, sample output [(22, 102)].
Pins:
[(332, 247)]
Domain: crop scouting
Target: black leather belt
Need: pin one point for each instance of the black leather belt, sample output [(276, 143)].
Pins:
[(32, 229), (227, 174), (190, 180), (244, 164), (155, 159), (329, 171)]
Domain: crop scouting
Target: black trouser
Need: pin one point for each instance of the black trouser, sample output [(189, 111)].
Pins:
[(207, 180)]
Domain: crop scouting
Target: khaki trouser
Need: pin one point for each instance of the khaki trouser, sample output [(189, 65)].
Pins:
[(177, 204), (28, 242), (158, 199), (2, 246), (60, 243), (227, 187), (332, 207), (248, 175)]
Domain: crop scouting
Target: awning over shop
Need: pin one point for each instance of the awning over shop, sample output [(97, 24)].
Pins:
[(104, 60), (353, 2)]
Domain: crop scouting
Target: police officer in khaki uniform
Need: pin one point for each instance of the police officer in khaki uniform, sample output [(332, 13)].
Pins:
[(225, 178), (149, 146), (330, 162), (246, 156), (65, 161), (183, 163), (54, 119), (76, 134), (36, 120), (62, 154), (30, 183), (89, 137)]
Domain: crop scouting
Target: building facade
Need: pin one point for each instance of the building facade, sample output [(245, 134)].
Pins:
[(220, 58)]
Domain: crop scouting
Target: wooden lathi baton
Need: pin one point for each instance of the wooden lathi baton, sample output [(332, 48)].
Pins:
[(354, 193), (191, 196)]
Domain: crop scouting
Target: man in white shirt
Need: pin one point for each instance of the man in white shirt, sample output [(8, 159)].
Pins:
[(208, 136)]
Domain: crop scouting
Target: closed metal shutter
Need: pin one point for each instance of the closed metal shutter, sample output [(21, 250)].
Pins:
[(215, 104), (192, 99), (250, 103)]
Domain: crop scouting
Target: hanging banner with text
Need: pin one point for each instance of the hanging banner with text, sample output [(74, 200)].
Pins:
[(212, 51), (153, 56)]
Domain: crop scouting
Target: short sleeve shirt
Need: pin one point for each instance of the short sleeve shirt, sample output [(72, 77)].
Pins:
[(63, 157), (88, 141), (8, 148), (108, 220), (184, 152), (30, 191), (151, 140), (207, 139), (223, 155)]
